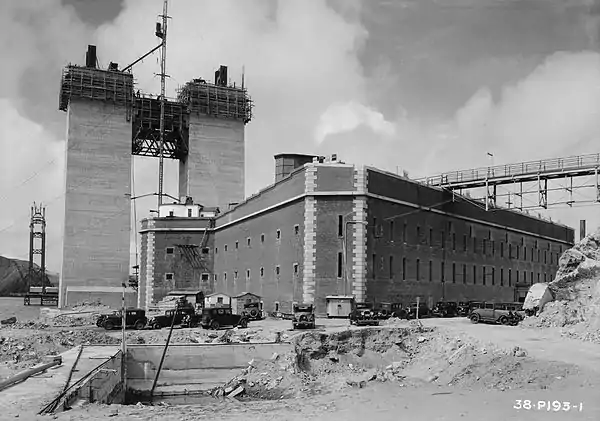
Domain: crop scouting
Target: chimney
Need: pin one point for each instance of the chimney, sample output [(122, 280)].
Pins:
[(581, 229), (90, 57)]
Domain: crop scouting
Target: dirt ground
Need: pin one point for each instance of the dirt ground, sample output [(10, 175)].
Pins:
[(449, 370)]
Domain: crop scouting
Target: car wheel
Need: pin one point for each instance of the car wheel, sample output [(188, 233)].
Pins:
[(475, 318), (109, 325), (156, 325), (503, 320), (139, 325), (243, 323), (214, 325)]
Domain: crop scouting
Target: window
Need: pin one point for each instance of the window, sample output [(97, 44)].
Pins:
[(545, 277), (237, 245), (524, 253), (493, 247), (216, 250), (443, 239), (453, 273), (170, 250), (262, 272), (453, 241), (484, 274), (374, 265), (189, 213), (225, 276), (418, 234), (247, 273), (205, 250), (392, 231), (278, 235), (531, 279), (205, 277), (248, 241), (465, 242), (219, 300), (509, 277), (295, 268), (277, 270), (296, 229), (339, 264), (391, 267), (545, 257), (171, 213), (215, 277), (474, 275), (464, 274), (404, 233), (418, 269), (510, 254), (225, 247), (235, 274), (430, 271), (493, 275), (276, 305), (169, 276), (340, 225), (532, 253), (501, 277), (517, 253), (404, 268), (443, 271), (474, 245), (430, 237), (538, 277), (484, 246), (501, 249), (262, 238)]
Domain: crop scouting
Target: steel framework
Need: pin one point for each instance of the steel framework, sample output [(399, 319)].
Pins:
[(37, 247), (551, 181), (146, 128)]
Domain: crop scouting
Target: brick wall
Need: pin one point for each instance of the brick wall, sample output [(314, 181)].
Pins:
[(268, 251), (443, 247)]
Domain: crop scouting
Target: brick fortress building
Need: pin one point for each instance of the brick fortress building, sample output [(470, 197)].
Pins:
[(327, 228)]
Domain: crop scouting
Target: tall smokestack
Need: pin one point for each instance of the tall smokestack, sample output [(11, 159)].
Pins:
[(581, 229)]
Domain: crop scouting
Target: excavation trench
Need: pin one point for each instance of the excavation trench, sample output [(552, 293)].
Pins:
[(310, 363)]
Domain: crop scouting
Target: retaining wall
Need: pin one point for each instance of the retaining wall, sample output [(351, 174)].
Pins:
[(192, 367)]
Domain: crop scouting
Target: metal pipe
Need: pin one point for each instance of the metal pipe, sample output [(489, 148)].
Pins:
[(142, 57), (162, 358), (11, 381)]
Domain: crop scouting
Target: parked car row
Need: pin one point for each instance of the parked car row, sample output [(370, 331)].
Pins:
[(208, 318)]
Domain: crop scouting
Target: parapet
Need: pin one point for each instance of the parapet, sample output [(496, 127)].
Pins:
[(95, 84)]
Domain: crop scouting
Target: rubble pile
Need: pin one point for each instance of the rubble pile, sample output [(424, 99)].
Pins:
[(576, 310), (324, 363), (18, 352), (84, 314), (199, 335)]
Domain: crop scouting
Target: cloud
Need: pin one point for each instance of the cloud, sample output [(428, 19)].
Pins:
[(340, 118)]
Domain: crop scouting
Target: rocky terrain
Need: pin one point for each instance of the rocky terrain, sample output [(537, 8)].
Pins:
[(576, 310), (14, 277)]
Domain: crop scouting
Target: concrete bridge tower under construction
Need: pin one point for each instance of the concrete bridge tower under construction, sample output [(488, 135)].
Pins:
[(107, 123)]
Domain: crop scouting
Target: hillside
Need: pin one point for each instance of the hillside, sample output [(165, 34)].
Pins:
[(13, 277)]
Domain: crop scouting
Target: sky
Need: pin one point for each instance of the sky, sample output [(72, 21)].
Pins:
[(422, 86)]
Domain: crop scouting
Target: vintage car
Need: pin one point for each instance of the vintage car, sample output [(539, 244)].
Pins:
[(253, 311), (411, 311), (383, 311), (183, 316), (217, 317), (134, 317), (398, 311), (362, 315), (500, 313), (445, 309), (304, 316), (101, 318)]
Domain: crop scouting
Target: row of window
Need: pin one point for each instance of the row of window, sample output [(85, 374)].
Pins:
[(262, 239), (457, 273), (486, 246), (171, 250), (277, 271)]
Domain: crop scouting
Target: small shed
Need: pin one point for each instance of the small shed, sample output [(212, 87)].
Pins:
[(193, 297), (240, 302), (217, 299), (339, 305)]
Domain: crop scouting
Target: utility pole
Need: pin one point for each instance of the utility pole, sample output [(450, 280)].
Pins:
[(162, 33)]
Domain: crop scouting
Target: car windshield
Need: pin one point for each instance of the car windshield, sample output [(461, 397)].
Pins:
[(302, 308)]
